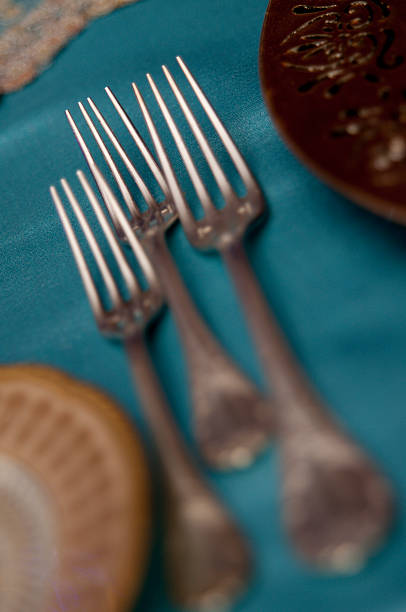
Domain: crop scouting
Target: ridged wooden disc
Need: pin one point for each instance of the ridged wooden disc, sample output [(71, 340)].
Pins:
[(75, 505), (334, 77)]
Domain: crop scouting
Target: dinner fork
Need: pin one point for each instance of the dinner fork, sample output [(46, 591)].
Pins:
[(231, 417), (207, 558), (337, 505)]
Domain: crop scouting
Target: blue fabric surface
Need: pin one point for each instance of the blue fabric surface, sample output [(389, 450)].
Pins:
[(334, 274)]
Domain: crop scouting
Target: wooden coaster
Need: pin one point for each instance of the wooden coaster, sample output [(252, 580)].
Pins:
[(75, 511)]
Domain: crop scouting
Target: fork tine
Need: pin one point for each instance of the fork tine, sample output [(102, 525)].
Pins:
[(134, 133), (198, 184), (184, 212), (225, 137), (94, 246), (112, 204), (221, 179), (128, 199), (146, 194), (92, 165), (90, 287), (128, 275)]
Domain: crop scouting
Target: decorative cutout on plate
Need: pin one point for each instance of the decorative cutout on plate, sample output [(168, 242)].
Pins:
[(380, 140), (337, 41), (334, 74)]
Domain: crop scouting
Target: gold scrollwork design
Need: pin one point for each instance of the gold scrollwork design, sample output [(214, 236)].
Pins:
[(337, 40)]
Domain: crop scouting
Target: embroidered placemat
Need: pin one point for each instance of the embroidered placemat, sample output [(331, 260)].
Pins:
[(32, 31)]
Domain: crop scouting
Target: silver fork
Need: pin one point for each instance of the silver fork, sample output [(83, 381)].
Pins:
[(207, 558), (231, 417), (337, 505)]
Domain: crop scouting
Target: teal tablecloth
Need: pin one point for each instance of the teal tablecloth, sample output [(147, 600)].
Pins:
[(335, 275)]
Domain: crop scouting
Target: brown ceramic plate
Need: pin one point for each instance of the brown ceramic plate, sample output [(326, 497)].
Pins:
[(334, 78)]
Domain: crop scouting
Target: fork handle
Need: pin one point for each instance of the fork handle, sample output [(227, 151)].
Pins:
[(298, 401), (196, 336), (172, 451), (334, 496), (207, 558), (232, 420)]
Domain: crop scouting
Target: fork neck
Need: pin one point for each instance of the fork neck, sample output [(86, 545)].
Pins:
[(299, 404), (180, 472), (190, 324)]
